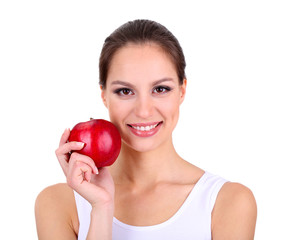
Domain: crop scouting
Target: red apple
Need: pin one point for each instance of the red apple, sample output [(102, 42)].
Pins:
[(102, 141)]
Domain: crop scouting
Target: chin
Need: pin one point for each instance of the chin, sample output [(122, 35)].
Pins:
[(143, 146)]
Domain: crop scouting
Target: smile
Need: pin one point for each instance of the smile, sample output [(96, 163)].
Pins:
[(145, 129)]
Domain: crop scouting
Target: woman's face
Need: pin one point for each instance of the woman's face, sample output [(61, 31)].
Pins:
[(143, 96)]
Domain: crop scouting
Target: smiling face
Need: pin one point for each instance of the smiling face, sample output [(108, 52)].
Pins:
[(143, 96)]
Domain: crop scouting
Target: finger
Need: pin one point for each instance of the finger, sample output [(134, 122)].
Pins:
[(64, 165), (86, 171), (62, 153), (68, 147), (87, 174), (85, 159), (64, 136), (78, 173)]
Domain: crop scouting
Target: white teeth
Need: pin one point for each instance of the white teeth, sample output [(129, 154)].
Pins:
[(146, 128)]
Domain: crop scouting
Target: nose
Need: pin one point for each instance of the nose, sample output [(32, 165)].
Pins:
[(144, 107)]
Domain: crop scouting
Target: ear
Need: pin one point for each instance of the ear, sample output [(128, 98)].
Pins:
[(103, 96), (183, 88)]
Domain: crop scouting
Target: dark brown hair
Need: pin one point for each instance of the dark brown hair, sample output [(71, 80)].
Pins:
[(141, 32)]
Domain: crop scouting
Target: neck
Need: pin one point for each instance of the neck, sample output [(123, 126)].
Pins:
[(145, 168)]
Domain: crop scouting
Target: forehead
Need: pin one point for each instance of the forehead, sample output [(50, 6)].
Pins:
[(139, 62)]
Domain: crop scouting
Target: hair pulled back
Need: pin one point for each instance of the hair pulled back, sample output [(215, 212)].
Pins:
[(141, 32)]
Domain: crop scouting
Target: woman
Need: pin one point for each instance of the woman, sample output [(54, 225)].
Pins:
[(150, 192)]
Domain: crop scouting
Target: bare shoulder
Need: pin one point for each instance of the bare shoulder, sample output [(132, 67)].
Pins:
[(235, 212), (56, 196), (55, 213), (236, 193)]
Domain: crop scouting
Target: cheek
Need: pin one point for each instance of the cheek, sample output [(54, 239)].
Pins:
[(171, 106), (170, 110), (118, 110)]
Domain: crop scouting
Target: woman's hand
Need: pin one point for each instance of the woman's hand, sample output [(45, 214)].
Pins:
[(96, 186)]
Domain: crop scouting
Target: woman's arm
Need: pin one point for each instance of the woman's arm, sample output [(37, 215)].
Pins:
[(235, 213), (56, 214), (55, 207), (100, 223)]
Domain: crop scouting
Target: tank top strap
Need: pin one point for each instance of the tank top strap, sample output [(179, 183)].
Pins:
[(206, 191), (215, 184)]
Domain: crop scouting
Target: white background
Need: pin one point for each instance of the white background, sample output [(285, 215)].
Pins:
[(234, 121)]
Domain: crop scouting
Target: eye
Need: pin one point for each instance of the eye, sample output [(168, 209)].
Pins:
[(161, 89), (123, 91)]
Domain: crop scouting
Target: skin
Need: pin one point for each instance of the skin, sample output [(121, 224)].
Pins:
[(142, 86)]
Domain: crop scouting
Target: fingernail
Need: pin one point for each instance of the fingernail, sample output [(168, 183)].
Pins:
[(80, 144), (96, 170)]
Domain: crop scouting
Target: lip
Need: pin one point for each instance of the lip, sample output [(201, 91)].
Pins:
[(144, 124), (149, 133)]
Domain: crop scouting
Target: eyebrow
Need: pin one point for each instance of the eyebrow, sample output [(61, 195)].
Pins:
[(127, 84)]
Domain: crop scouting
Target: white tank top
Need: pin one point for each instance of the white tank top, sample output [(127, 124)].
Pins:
[(191, 221)]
